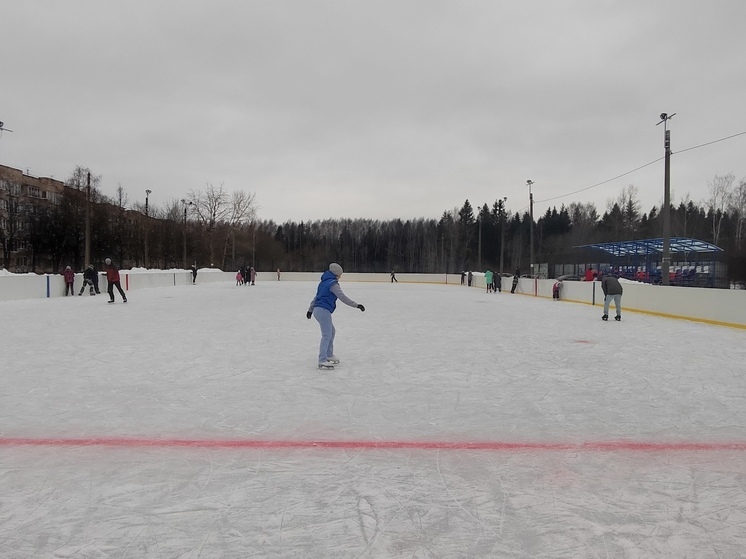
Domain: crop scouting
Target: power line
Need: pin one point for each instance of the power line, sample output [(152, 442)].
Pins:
[(637, 169), (600, 183), (710, 143)]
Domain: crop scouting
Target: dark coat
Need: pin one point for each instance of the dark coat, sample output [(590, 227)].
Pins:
[(611, 286)]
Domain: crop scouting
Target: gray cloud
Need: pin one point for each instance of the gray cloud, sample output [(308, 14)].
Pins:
[(374, 109)]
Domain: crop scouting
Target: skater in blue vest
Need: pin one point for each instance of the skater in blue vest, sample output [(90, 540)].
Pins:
[(321, 308)]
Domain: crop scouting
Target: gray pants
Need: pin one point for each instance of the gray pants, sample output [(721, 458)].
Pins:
[(326, 347), (617, 303)]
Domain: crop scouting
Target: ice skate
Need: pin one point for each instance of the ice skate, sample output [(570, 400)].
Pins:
[(334, 359), (605, 317), (326, 365), (617, 318)]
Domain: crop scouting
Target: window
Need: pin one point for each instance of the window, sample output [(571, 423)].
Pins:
[(34, 191)]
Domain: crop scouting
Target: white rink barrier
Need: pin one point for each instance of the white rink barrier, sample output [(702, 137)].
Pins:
[(725, 307)]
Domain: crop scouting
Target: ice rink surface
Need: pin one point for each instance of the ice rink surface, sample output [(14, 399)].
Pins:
[(192, 423)]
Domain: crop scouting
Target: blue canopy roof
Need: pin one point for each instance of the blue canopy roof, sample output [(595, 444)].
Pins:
[(653, 246)]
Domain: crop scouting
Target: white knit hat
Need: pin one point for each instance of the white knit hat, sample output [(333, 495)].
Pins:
[(335, 269)]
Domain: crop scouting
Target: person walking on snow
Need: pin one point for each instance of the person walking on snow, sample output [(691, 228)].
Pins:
[(321, 308), (194, 273), (612, 292), (112, 278), (69, 280)]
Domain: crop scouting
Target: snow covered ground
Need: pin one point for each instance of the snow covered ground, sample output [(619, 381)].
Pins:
[(192, 422)]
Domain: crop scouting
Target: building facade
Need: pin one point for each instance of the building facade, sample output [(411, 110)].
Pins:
[(21, 194)]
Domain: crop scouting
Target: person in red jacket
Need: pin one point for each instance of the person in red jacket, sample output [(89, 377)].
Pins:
[(69, 280), (112, 278)]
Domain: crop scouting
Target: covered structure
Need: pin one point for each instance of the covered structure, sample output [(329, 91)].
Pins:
[(693, 262)]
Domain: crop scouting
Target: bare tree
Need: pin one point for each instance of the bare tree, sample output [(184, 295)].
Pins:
[(721, 191), (214, 206), (738, 209), (242, 211)]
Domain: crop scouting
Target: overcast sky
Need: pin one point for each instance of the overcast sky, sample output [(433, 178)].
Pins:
[(377, 109)]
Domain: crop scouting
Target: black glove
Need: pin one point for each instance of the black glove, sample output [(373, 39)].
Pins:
[(308, 315), (362, 308)]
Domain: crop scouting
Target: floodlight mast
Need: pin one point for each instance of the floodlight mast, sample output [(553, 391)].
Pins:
[(666, 253)]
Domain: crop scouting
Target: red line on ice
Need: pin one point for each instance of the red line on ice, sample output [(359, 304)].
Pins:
[(597, 446)]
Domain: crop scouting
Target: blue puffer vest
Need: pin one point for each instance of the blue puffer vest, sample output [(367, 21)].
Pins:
[(324, 296)]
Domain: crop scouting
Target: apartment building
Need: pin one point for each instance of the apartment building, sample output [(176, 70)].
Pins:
[(19, 193)]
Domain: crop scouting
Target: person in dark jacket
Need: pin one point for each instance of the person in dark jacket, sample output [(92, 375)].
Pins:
[(498, 283), (194, 273), (321, 308), (112, 277), (612, 292), (516, 275), (90, 279)]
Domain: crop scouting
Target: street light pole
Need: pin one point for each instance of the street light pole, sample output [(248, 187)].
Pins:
[(147, 193), (253, 245), (666, 256), (502, 232), (87, 220), (185, 229), (479, 256), (531, 216)]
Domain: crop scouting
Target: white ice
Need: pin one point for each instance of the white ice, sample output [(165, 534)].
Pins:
[(423, 364)]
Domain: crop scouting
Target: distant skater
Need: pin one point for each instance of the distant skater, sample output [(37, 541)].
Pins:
[(69, 280), (194, 273), (321, 308), (515, 280), (488, 278), (252, 275), (498, 282), (278, 274), (112, 277), (89, 278), (239, 278), (612, 292), (556, 290), (393, 277)]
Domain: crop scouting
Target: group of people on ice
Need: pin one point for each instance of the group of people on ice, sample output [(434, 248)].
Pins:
[(493, 281), (246, 276), (90, 280)]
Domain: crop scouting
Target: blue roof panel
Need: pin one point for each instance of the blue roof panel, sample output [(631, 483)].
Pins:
[(653, 246)]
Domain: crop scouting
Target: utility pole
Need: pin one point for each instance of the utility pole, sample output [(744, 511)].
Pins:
[(501, 204), (147, 223), (87, 221), (479, 249), (666, 256), (185, 228), (531, 216)]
